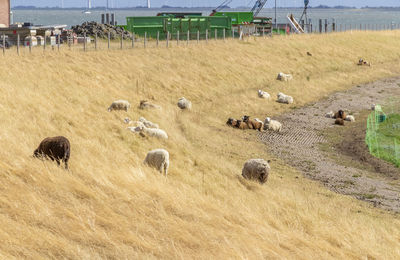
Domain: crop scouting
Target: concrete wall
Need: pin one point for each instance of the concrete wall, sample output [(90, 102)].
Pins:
[(5, 12)]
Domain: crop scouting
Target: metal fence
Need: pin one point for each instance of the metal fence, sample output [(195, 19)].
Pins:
[(383, 132)]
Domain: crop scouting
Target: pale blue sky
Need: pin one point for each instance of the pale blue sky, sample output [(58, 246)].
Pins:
[(190, 3)]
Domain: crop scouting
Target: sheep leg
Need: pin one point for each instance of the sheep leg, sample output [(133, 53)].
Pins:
[(165, 169)]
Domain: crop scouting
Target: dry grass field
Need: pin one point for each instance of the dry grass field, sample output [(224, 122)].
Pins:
[(109, 205)]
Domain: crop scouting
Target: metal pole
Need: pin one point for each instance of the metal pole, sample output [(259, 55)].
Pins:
[(108, 40), (158, 37), (145, 39), (18, 43), (84, 42)]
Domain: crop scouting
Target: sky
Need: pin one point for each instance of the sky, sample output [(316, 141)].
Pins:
[(191, 3)]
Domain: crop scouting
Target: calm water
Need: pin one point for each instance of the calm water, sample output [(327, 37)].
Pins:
[(351, 16)]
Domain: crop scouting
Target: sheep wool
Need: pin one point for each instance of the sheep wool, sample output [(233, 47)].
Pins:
[(264, 95), (256, 169), (158, 159), (272, 125), (183, 103), (148, 123), (285, 99), (350, 118), (284, 77), (119, 105)]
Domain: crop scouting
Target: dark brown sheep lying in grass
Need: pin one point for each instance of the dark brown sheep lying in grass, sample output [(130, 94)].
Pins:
[(253, 123), (55, 148), (340, 114), (339, 121)]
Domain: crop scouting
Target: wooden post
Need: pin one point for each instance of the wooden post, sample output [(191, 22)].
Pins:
[(216, 34), (198, 37), (206, 35), (233, 33), (177, 38), (133, 40), (158, 38), (122, 40), (187, 37), (84, 41), (223, 34), (108, 40), (70, 39), (30, 44), (44, 45), (4, 44), (59, 42), (167, 39), (145, 40), (18, 43), (263, 32), (95, 41)]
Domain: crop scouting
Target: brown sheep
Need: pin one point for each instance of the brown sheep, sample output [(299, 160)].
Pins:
[(241, 125), (340, 114), (56, 148), (339, 121), (231, 122), (253, 123)]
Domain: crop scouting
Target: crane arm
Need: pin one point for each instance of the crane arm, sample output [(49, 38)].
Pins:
[(224, 3), (258, 6)]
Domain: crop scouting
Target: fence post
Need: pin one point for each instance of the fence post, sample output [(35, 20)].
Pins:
[(145, 40), (188, 37), (122, 40), (30, 44), (263, 34), (158, 38), (69, 38), (216, 34), (95, 41), (4, 44), (198, 36), (167, 39), (59, 42), (18, 43), (108, 40), (45, 41), (206, 35), (133, 40), (84, 41), (223, 34), (233, 33), (177, 38)]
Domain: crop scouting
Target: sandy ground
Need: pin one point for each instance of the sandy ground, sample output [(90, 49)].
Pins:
[(337, 155)]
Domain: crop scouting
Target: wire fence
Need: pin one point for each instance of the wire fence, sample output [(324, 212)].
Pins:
[(383, 132)]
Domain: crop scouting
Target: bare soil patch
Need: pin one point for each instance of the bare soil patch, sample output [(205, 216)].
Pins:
[(335, 155)]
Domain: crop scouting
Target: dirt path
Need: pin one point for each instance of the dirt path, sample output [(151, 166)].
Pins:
[(335, 155)]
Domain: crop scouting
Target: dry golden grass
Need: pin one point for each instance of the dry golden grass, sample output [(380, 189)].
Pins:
[(109, 205)]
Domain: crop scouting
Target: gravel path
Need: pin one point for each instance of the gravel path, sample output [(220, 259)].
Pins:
[(300, 140)]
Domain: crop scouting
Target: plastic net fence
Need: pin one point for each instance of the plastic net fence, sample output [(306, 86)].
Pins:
[(383, 132)]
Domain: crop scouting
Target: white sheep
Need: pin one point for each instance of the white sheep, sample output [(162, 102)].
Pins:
[(119, 105), (263, 94), (285, 99), (350, 118), (256, 169), (153, 132), (284, 77), (373, 107), (148, 123), (159, 159), (330, 114), (272, 125), (183, 103), (144, 104)]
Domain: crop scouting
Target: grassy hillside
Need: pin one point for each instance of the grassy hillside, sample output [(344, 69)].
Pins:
[(109, 205)]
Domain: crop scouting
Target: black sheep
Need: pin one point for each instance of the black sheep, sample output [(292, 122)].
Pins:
[(56, 148)]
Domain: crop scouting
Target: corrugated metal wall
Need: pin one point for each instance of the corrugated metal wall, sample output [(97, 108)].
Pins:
[(5, 12)]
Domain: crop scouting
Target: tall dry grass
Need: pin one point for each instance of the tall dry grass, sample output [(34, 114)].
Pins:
[(109, 205)]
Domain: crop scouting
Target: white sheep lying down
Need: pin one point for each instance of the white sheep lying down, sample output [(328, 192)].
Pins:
[(256, 169), (285, 99), (272, 125), (284, 77), (119, 105), (263, 94), (330, 114), (153, 132), (158, 159), (183, 103), (148, 123), (350, 118)]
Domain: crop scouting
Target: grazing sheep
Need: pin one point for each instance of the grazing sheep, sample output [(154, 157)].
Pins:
[(241, 125), (330, 114), (153, 132), (119, 105), (285, 99), (56, 148), (339, 121), (253, 123), (272, 125), (263, 94), (284, 77), (350, 118), (148, 123), (340, 114), (158, 159), (144, 104), (362, 62), (256, 169), (183, 103)]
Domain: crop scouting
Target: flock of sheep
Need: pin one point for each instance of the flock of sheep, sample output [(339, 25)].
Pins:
[(58, 148)]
